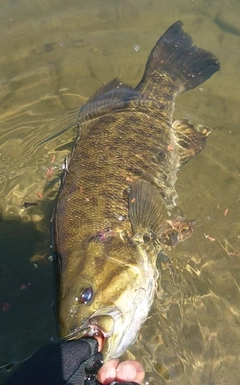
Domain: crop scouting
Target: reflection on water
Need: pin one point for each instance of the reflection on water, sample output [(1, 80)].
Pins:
[(54, 54)]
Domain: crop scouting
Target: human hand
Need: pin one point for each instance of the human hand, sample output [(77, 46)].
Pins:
[(125, 371)]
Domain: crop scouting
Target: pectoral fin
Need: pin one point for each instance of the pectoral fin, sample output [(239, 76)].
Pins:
[(190, 139), (146, 211), (147, 215)]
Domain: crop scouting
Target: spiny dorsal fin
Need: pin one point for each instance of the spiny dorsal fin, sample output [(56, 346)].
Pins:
[(190, 141), (146, 210)]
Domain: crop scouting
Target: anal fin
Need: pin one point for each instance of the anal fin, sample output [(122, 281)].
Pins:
[(177, 230), (190, 139)]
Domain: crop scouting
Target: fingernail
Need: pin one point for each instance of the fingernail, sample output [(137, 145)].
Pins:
[(129, 372), (110, 373)]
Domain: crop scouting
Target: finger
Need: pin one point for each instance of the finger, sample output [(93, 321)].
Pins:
[(130, 371), (107, 373)]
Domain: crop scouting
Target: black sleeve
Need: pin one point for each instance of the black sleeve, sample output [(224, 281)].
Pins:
[(62, 363)]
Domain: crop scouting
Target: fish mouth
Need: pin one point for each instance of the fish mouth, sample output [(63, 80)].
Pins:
[(99, 326)]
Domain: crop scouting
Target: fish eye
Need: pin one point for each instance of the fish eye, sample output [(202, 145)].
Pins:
[(85, 295)]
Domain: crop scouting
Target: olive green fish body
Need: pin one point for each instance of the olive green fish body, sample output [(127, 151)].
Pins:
[(110, 220)]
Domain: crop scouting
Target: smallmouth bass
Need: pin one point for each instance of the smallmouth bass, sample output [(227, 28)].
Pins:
[(110, 221)]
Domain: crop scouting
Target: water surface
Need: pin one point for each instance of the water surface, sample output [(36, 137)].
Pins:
[(54, 55)]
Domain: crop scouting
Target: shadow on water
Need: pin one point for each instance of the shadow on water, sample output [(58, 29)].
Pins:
[(26, 291)]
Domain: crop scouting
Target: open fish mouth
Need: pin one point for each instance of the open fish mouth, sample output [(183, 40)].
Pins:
[(100, 327), (99, 335), (89, 331)]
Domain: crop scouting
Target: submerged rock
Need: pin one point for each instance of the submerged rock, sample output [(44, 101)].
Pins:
[(228, 21)]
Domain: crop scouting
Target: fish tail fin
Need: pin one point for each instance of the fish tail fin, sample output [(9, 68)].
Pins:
[(175, 60)]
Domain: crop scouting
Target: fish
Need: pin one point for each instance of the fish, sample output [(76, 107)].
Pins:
[(110, 221)]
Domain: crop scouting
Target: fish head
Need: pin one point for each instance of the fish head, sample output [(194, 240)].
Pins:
[(105, 293)]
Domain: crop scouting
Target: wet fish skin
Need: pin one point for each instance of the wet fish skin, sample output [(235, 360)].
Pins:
[(110, 221)]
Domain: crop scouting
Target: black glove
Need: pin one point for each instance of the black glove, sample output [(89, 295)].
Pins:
[(62, 363)]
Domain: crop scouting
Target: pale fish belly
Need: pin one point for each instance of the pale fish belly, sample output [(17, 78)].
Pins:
[(136, 307)]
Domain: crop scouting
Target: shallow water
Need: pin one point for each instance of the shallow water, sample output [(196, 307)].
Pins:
[(54, 55)]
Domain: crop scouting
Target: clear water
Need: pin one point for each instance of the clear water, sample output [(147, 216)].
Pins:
[(54, 55)]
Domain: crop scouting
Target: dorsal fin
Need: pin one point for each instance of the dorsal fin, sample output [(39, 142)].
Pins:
[(113, 95), (190, 141), (112, 85)]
